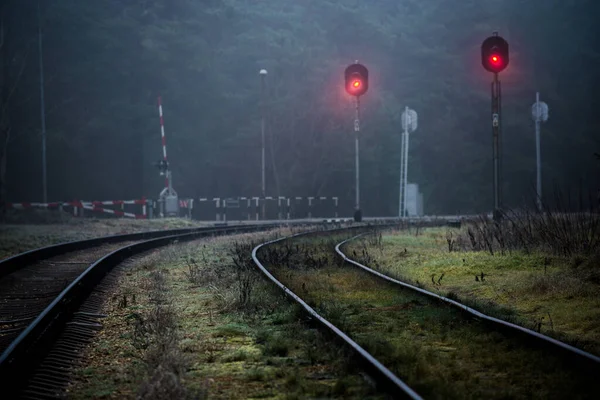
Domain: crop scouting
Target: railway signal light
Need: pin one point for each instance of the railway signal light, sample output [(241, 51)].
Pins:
[(163, 166), (494, 54), (357, 79)]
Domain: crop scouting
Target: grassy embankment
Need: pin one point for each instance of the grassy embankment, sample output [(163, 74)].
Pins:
[(541, 288), (433, 347), (17, 238), (197, 321)]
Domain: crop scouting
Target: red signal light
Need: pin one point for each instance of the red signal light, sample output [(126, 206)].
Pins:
[(356, 78), (494, 54)]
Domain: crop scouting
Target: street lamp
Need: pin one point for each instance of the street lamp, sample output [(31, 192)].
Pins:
[(263, 75)]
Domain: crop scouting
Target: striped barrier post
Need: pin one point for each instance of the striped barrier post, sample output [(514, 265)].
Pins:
[(163, 139), (279, 211), (335, 200), (217, 201), (249, 207)]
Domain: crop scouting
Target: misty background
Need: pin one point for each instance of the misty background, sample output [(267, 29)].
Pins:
[(105, 63)]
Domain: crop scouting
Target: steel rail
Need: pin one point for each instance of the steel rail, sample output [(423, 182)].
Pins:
[(394, 384), (582, 355), (29, 348)]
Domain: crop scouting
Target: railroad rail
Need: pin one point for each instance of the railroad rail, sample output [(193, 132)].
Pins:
[(386, 378), (69, 314), (589, 359)]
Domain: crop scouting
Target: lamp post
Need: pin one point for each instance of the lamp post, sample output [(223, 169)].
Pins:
[(263, 75)]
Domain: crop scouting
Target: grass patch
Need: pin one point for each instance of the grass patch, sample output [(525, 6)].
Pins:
[(433, 347), (555, 295), (233, 347)]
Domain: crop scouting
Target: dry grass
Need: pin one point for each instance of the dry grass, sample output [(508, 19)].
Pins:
[(229, 349), (557, 295), (432, 347)]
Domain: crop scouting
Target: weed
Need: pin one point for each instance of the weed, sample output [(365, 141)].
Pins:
[(194, 272), (230, 330), (245, 271), (256, 374), (238, 355), (449, 239), (277, 346)]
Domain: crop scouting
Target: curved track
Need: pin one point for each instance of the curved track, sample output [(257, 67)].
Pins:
[(515, 351), (578, 354), (40, 282), (385, 377)]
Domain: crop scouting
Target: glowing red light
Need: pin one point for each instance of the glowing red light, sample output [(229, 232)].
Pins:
[(495, 59), (356, 84)]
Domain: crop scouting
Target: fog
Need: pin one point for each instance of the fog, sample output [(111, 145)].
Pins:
[(106, 62)]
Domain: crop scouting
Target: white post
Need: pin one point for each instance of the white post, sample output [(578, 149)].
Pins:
[(400, 189), (406, 174), (404, 211), (538, 151)]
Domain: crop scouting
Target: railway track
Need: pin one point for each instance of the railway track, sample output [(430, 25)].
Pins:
[(385, 378), (25, 293), (575, 354), (49, 302), (392, 329)]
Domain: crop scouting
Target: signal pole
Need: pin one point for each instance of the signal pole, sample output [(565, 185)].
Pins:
[(356, 78), (495, 58), (539, 112), (401, 189), (409, 124), (496, 102), (356, 158)]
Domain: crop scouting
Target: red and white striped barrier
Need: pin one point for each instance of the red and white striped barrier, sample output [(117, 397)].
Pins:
[(141, 202), (250, 206), (95, 206), (162, 135), (114, 212)]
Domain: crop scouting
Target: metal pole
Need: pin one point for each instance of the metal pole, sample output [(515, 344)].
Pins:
[(406, 175), (496, 144), (356, 131), (406, 120), (400, 190), (262, 130), (42, 110), (538, 151)]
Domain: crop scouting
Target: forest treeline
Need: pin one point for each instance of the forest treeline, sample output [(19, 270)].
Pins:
[(105, 63)]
